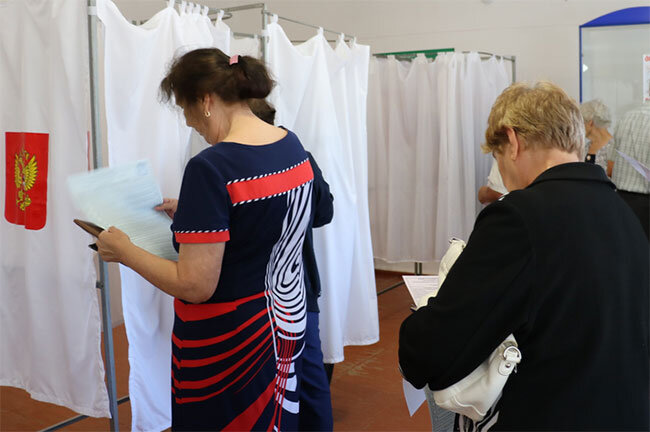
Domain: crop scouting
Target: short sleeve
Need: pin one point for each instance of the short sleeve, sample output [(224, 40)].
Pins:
[(494, 180), (203, 212)]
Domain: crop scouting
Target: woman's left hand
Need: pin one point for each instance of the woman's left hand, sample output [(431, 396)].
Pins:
[(112, 244)]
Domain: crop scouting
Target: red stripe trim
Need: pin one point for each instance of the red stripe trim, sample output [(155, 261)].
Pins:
[(221, 375), (182, 400), (268, 357), (197, 343), (247, 419), (209, 360), (270, 185), (197, 312), (205, 237)]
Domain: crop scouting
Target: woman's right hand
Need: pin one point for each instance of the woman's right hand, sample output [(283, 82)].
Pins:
[(599, 139), (169, 206)]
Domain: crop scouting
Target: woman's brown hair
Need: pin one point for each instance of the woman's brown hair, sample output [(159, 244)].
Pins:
[(208, 70)]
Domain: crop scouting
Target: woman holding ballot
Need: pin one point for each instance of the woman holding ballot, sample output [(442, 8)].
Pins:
[(239, 227)]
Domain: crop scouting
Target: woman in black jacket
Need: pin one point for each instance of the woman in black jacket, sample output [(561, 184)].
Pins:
[(560, 262)]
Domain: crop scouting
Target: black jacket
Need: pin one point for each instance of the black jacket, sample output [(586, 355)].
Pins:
[(563, 265), (322, 212)]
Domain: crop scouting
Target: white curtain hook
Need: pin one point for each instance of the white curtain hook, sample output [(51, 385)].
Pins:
[(354, 40), (320, 31), (197, 8), (220, 15), (183, 7), (205, 11), (170, 3), (274, 18), (341, 37)]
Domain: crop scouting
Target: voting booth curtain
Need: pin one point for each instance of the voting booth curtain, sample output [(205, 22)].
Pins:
[(426, 122), (50, 327)]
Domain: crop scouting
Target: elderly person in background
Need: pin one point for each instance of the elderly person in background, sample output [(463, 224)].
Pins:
[(632, 137), (597, 119), (494, 189), (577, 303)]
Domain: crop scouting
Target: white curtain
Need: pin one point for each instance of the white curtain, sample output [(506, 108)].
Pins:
[(245, 46), (140, 127), (321, 96), (50, 329), (426, 121)]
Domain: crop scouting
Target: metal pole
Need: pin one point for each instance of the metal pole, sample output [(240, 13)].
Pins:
[(514, 69), (265, 37), (245, 7), (580, 61), (102, 283), (76, 419), (305, 24)]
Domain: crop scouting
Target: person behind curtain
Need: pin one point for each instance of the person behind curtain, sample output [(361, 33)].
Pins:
[(597, 121), (632, 137), (494, 189), (315, 398), (239, 226), (561, 263)]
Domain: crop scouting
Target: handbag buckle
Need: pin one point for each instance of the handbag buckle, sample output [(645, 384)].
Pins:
[(511, 358)]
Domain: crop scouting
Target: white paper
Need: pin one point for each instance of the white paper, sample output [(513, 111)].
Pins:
[(646, 78), (125, 197), (638, 166), (420, 286), (414, 397)]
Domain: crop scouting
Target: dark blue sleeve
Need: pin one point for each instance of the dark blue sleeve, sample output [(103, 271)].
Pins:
[(203, 213), (322, 199)]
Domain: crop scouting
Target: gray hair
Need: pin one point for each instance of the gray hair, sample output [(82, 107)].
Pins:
[(595, 110)]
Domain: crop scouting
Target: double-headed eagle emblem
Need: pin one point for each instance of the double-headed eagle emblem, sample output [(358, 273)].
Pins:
[(25, 173)]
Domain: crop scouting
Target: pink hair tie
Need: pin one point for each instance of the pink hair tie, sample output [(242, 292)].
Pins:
[(234, 59)]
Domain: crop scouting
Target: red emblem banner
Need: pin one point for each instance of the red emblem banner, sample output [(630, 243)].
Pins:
[(26, 179)]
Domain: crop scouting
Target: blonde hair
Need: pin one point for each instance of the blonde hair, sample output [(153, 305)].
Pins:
[(543, 116)]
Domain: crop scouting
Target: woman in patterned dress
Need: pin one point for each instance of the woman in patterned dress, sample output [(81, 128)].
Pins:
[(239, 226)]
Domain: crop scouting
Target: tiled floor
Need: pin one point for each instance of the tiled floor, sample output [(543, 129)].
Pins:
[(366, 387)]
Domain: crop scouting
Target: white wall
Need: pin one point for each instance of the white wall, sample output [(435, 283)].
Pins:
[(542, 34)]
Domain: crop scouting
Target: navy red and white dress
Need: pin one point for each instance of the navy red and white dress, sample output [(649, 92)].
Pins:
[(236, 357)]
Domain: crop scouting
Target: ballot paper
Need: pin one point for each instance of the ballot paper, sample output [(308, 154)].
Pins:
[(638, 166), (420, 286), (125, 197), (414, 397)]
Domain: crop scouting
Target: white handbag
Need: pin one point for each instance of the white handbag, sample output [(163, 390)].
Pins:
[(474, 395)]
